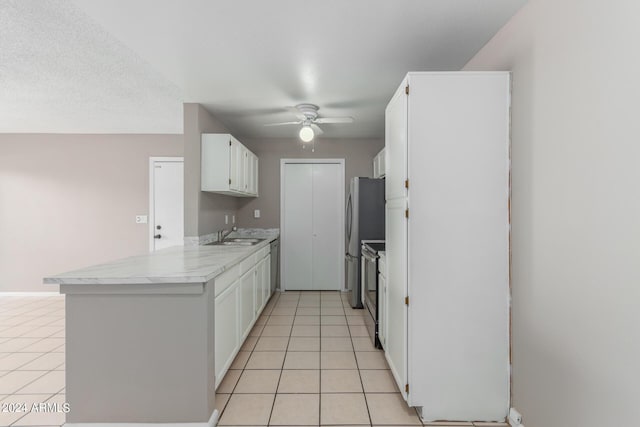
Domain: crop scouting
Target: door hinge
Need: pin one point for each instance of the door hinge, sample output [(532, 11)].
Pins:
[(406, 388), (406, 89), (406, 213), (229, 143), (406, 300), (406, 184), (229, 181)]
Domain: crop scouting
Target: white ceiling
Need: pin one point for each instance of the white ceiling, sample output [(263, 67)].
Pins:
[(127, 65)]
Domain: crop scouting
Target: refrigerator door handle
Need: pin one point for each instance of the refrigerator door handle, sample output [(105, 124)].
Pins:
[(349, 218)]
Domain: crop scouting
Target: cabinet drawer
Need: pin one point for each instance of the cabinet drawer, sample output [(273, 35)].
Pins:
[(247, 264), (226, 279), (263, 252)]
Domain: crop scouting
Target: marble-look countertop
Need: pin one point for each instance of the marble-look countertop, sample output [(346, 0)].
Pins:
[(178, 264)]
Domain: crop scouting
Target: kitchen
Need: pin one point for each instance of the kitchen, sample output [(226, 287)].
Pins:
[(110, 173)]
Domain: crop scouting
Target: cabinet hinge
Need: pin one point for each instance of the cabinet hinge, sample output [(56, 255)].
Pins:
[(406, 388), (406, 300), (229, 181), (406, 89), (406, 213), (406, 184)]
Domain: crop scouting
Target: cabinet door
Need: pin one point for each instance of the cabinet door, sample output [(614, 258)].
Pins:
[(255, 175), (396, 265), (382, 310), (395, 143), (244, 170), (252, 174), (247, 302), (266, 278), (235, 165), (227, 333), (258, 287)]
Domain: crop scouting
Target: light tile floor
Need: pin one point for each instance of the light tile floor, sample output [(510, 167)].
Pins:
[(308, 361), (31, 359)]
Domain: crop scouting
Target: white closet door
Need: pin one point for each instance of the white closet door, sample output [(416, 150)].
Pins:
[(327, 232), (297, 255)]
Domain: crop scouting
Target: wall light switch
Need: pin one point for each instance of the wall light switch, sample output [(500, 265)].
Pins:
[(256, 213), (233, 219), (226, 219), (141, 219)]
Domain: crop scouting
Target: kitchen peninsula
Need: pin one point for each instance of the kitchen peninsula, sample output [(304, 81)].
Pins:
[(142, 342)]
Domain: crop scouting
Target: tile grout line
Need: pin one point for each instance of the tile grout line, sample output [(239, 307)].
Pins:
[(275, 395), (364, 394)]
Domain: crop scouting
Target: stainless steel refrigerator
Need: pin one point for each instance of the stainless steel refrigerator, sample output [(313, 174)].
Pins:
[(364, 221)]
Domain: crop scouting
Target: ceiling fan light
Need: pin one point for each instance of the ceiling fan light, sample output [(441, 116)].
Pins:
[(306, 134)]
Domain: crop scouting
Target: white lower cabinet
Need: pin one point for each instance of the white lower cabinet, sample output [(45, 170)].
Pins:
[(247, 301), (227, 337), (266, 279), (241, 294)]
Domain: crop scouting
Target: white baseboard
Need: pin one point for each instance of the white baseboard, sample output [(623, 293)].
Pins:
[(29, 294), (213, 421)]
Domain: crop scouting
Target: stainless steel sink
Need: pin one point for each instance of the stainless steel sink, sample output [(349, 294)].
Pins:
[(237, 241)]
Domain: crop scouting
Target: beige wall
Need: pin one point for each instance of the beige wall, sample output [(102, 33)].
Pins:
[(575, 209), (69, 201), (203, 212), (358, 155)]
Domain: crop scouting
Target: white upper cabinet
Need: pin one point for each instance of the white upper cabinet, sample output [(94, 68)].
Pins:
[(379, 165), (228, 167)]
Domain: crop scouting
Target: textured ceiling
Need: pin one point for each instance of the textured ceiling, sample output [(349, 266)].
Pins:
[(127, 65), (61, 72)]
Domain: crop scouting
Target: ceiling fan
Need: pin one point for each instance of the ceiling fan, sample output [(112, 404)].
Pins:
[(307, 115)]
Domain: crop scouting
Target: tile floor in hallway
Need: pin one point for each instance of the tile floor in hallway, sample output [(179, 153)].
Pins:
[(308, 361), (31, 359)]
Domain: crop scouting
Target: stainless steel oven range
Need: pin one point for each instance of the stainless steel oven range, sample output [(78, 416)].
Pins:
[(369, 267)]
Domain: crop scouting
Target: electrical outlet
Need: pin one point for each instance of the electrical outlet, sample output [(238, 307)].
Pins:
[(141, 219), (226, 219), (256, 213)]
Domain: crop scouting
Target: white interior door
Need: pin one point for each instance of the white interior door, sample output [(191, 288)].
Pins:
[(167, 201), (312, 225), (297, 225), (327, 233)]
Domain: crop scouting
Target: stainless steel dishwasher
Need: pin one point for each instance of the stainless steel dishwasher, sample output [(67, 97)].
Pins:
[(275, 265)]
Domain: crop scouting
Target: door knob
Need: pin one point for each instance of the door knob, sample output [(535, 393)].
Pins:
[(157, 236)]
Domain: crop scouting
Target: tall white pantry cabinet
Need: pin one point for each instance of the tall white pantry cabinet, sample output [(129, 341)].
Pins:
[(447, 147)]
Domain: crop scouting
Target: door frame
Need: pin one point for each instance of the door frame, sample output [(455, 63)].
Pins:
[(151, 216), (341, 194)]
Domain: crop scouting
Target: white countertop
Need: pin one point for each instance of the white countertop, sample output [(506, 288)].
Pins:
[(178, 264)]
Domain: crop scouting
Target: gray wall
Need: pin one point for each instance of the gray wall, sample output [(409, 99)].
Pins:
[(575, 209), (358, 155), (203, 212), (68, 201)]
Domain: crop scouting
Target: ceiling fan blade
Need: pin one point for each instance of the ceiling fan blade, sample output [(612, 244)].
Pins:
[(283, 123), (316, 129), (334, 120), (296, 112)]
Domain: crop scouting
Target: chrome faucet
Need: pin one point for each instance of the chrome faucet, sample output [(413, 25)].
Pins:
[(222, 234)]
